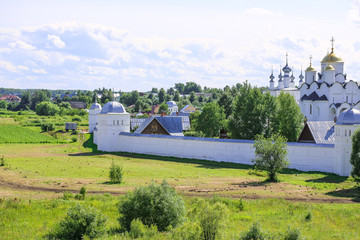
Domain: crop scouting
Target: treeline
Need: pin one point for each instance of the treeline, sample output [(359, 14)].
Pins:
[(249, 112)]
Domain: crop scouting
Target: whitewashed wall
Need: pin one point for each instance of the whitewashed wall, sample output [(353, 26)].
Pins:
[(302, 156)]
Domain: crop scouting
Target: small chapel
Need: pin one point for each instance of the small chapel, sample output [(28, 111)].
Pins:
[(324, 94)]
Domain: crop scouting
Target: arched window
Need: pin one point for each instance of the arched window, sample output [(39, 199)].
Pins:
[(310, 109), (347, 99), (349, 133)]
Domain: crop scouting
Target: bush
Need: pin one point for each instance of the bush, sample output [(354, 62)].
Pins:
[(47, 109), (116, 173), (210, 217), (153, 205), (254, 233), (45, 127), (80, 222), (81, 195), (308, 217), (138, 229), (76, 119), (292, 234), (67, 195), (188, 231)]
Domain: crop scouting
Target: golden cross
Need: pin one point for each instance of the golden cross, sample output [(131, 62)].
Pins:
[(332, 43)]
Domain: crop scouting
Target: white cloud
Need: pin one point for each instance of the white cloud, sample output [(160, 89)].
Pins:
[(56, 41), (95, 56), (261, 12), (354, 12), (21, 45)]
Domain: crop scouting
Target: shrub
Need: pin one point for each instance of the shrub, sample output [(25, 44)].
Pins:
[(188, 231), (254, 233), (138, 229), (45, 127), (240, 205), (153, 205), (2, 161), (308, 217), (292, 234), (67, 195), (81, 195), (210, 217), (47, 109), (74, 139), (76, 119), (80, 222), (116, 173)]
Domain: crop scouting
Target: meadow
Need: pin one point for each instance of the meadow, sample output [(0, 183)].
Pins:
[(38, 178)]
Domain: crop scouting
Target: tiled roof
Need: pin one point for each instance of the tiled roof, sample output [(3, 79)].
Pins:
[(173, 125), (314, 97), (322, 131)]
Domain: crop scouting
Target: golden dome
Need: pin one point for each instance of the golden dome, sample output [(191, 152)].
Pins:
[(310, 68), (331, 57), (329, 68)]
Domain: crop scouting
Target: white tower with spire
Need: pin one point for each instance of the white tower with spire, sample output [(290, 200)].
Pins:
[(94, 110)]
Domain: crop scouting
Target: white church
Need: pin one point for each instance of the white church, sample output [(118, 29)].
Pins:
[(322, 97), (324, 94)]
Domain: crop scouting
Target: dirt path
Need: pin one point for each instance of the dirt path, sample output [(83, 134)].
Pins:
[(191, 192)]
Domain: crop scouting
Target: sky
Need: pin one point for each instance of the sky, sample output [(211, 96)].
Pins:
[(140, 44)]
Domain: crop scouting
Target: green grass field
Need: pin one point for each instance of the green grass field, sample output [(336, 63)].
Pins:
[(35, 177), (34, 219), (10, 133)]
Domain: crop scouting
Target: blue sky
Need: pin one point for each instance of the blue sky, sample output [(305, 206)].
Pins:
[(129, 45)]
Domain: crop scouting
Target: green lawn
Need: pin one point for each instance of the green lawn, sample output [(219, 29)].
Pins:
[(10, 133), (33, 219)]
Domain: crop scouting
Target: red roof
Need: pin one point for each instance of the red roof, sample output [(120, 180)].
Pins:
[(9, 97)]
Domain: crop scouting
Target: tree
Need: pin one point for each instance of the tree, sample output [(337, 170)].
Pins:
[(3, 104), (192, 96), (163, 107), (270, 112), (247, 120), (47, 109), (177, 96), (191, 86), (154, 90), (355, 155), (289, 116), (171, 91), (153, 205), (180, 87), (210, 120), (225, 101), (161, 95), (25, 101), (270, 155)]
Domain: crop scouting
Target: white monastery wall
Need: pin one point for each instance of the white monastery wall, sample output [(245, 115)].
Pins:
[(302, 156)]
